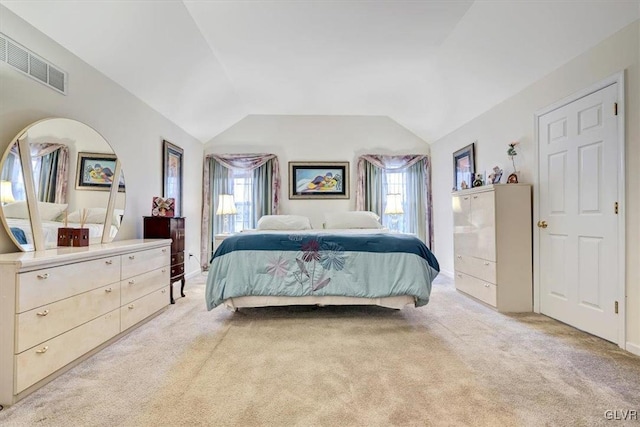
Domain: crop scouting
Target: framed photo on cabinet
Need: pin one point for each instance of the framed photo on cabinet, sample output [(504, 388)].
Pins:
[(464, 167)]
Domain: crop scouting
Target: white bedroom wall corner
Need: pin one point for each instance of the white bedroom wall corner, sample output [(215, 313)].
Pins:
[(633, 348)]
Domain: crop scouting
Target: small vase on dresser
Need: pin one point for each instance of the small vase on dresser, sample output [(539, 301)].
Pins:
[(162, 227)]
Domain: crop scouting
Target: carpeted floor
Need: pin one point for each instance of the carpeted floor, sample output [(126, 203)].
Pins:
[(451, 363)]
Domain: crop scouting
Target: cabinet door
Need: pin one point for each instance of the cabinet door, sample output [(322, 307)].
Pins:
[(177, 234), (483, 216), (463, 238)]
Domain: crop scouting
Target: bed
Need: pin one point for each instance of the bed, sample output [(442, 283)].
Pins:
[(323, 267)]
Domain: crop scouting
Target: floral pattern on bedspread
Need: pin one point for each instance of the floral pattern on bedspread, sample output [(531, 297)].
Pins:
[(298, 265)]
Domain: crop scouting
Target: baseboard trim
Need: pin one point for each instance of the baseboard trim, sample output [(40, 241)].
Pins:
[(192, 274), (447, 273), (633, 348)]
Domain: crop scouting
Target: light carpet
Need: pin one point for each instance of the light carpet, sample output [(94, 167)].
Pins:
[(454, 362)]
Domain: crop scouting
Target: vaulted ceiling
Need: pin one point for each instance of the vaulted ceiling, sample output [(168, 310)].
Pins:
[(430, 65)]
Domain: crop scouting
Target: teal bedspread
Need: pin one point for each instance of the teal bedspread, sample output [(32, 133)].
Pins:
[(355, 265)]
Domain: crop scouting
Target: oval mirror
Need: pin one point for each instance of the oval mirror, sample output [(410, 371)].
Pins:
[(60, 173)]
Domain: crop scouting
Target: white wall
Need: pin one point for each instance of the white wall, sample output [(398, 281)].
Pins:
[(133, 129), (316, 138), (513, 120)]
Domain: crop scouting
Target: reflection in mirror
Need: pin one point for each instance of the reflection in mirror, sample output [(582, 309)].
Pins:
[(13, 199), (54, 149)]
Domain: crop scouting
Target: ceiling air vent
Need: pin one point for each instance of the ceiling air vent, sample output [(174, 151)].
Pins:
[(3, 49), (34, 66)]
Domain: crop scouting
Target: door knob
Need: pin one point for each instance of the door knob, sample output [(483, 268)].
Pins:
[(543, 224)]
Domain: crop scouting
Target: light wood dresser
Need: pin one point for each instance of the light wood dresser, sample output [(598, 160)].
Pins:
[(59, 306), (492, 245)]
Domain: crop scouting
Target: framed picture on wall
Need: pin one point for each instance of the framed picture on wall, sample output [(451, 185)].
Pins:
[(172, 172), (318, 180), (95, 172), (464, 167)]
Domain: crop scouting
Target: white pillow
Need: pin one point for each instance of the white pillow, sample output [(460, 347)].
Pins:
[(51, 211), (284, 222), (354, 219), (16, 210), (94, 216), (48, 211)]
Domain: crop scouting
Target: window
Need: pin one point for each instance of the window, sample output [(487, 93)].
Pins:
[(398, 189), (243, 196), (395, 182)]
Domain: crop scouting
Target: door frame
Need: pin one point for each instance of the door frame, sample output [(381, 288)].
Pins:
[(621, 285)]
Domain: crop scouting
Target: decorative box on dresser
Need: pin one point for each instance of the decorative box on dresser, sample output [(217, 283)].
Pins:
[(60, 306), (492, 245), (162, 227)]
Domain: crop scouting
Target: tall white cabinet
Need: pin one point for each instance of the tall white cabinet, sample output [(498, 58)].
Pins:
[(492, 245)]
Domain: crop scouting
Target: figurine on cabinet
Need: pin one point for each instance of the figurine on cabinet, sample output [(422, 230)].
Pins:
[(478, 182)]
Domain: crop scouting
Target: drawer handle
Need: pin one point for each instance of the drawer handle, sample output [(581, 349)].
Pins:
[(466, 198), (131, 282), (130, 306), (108, 290), (43, 349), (486, 285), (164, 250), (164, 270), (164, 291), (459, 275), (109, 262), (132, 257), (486, 263), (475, 197), (459, 256), (42, 313), (43, 276)]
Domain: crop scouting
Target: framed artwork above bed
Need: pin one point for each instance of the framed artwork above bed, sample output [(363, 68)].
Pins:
[(95, 172), (318, 180)]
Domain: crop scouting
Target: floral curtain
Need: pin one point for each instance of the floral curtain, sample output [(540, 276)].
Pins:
[(217, 179), (369, 194), (53, 171)]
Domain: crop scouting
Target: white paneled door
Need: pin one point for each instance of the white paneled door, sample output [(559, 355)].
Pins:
[(578, 224)]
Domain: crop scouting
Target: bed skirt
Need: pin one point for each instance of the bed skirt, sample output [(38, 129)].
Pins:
[(395, 302)]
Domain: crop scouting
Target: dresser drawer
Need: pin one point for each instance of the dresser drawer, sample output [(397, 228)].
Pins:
[(477, 288), (177, 258), (177, 270), (141, 308), (143, 284), (36, 363), (476, 267), (137, 263), (40, 287), (48, 321)]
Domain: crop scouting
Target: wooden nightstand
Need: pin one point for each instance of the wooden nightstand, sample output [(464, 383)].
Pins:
[(217, 239), (169, 228)]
